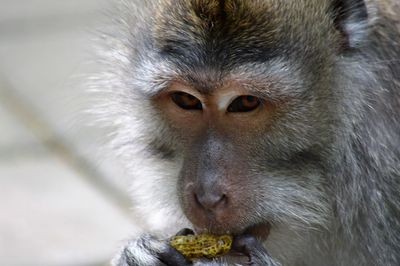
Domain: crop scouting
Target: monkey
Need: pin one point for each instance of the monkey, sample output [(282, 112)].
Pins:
[(276, 122)]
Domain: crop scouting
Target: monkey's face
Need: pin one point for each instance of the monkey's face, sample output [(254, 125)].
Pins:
[(217, 133)]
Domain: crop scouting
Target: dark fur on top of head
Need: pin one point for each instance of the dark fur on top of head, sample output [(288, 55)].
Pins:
[(338, 58), (226, 34)]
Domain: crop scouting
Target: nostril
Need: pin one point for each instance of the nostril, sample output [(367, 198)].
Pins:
[(210, 201)]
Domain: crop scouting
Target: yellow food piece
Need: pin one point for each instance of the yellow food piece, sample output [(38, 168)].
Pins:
[(202, 246)]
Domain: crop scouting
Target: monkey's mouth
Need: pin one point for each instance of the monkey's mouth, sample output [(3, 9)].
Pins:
[(260, 231)]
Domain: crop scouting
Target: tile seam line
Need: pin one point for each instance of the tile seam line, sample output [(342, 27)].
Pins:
[(58, 145)]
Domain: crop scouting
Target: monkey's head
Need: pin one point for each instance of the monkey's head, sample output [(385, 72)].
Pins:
[(226, 110)]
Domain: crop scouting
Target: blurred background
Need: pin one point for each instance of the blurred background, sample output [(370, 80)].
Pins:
[(61, 203)]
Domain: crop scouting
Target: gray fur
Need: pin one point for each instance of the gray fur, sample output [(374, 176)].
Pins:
[(332, 158)]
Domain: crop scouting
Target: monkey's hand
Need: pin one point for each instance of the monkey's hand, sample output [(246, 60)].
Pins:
[(147, 250), (254, 250)]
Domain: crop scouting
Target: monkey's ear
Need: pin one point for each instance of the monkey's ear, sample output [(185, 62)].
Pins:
[(351, 19)]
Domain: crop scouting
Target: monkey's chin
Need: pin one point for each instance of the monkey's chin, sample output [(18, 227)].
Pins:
[(260, 231)]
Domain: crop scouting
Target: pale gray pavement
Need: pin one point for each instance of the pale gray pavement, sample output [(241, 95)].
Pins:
[(60, 202)]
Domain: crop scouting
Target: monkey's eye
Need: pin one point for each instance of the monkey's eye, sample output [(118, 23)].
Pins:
[(186, 101), (246, 103)]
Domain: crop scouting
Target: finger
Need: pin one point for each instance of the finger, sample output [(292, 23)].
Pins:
[(171, 256), (247, 244), (254, 250)]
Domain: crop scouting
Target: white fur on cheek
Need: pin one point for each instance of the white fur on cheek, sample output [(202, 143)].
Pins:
[(155, 197)]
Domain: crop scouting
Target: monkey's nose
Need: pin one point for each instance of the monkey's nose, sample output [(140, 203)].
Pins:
[(211, 200)]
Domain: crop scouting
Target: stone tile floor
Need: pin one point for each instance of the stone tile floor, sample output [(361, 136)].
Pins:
[(59, 204)]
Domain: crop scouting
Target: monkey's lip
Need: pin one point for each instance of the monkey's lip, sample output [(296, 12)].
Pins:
[(260, 231)]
